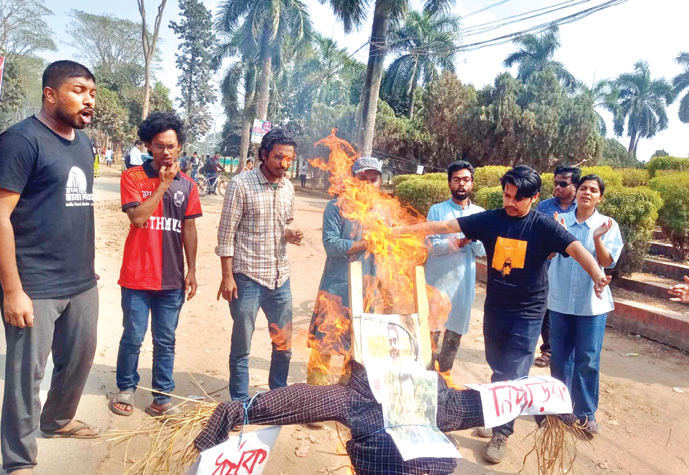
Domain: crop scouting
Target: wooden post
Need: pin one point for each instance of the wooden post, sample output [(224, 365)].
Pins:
[(356, 302), (423, 311)]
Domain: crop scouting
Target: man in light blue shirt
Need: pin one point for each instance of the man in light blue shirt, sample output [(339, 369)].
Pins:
[(451, 264), (563, 201)]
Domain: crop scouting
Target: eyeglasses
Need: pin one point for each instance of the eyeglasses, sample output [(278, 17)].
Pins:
[(457, 179), (563, 184), (161, 148)]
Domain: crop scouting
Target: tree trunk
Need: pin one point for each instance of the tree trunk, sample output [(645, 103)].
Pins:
[(632, 140), (374, 74), (149, 48), (264, 81), (247, 122), (412, 87)]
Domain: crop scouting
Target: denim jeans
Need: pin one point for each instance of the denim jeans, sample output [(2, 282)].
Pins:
[(577, 341), (510, 345), (164, 306), (277, 306)]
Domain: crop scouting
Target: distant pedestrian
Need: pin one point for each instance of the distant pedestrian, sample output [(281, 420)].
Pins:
[(249, 165), (47, 249), (135, 157), (195, 165), (109, 157), (303, 170), (184, 163)]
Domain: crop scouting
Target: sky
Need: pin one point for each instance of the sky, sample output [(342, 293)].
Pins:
[(600, 46)]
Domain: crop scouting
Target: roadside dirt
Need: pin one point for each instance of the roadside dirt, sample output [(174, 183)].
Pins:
[(645, 421)]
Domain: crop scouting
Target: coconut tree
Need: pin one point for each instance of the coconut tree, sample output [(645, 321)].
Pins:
[(426, 44), (353, 13), (536, 54), (264, 26), (603, 95), (680, 83), (642, 103)]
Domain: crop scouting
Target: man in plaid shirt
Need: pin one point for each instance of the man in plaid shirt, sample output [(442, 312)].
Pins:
[(371, 449), (252, 245)]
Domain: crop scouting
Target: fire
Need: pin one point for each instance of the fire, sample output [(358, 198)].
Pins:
[(281, 337), (334, 322), (396, 256)]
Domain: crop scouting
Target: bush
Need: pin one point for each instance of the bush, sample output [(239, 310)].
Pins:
[(633, 177), (489, 198), (636, 211), (667, 163), (397, 179), (673, 217), (486, 177), (422, 194), (547, 185), (611, 177)]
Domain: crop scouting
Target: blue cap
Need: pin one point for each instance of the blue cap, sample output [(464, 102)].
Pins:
[(367, 163)]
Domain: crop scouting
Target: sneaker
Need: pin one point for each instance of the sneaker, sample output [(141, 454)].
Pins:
[(483, 432), (496, 448), (592, 428)]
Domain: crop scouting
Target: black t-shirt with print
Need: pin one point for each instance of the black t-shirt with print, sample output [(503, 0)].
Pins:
[(53, 220), (517, 251)]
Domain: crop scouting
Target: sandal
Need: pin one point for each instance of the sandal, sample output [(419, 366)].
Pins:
[(74, 432), (160, 410), (542, 361), (122, 397)]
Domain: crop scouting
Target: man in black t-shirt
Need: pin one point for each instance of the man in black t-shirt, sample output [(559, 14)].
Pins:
[(49, 294), (518, 242)]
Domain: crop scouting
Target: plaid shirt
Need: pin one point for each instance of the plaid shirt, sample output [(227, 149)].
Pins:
[(371, 450), (252, 227)]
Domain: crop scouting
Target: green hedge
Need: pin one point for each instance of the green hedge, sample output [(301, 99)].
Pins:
[(673, 217), (487, 177), (422, 194), (397, 179), (633, 177), (667, 163), (611, 177), (547, 185), (489, 198), (636, 211)]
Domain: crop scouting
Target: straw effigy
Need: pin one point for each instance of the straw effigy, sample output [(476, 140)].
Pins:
[(555, 445)]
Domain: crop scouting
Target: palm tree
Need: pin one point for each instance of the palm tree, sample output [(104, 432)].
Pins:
[(265, 26), (352, 13), (641, 102), (536, 54), (603, 94), (680, 83), (427, 42)]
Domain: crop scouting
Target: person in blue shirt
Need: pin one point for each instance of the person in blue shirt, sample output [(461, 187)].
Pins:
[(577, 315), (564, 191), (343, 243), (451, 266)]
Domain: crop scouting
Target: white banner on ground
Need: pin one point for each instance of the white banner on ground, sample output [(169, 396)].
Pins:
[(532, 396), (234, 458)]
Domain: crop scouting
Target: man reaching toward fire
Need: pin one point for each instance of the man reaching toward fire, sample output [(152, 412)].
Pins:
[(515, 301)]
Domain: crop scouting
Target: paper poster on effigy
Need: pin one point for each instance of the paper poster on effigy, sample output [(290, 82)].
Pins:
[(399, 381)]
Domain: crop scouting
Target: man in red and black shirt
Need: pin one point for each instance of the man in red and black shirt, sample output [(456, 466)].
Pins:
[(162, 204)]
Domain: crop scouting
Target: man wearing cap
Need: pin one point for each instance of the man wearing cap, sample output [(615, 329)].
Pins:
[(343, 243)]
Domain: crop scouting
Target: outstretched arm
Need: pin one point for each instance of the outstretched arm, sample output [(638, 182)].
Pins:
[(579, 253), (429, 227)]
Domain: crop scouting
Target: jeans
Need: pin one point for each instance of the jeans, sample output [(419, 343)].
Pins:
[(277, 306), (577, 342), (545, 333), (510, 344), (164, 306)]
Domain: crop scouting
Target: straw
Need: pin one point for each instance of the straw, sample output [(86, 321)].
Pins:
[(555, 446)]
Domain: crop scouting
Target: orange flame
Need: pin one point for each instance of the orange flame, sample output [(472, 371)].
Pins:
[(281, 337), (334, 323), (396, 256)]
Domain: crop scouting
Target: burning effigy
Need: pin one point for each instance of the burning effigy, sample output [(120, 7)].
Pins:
[(396, 407)]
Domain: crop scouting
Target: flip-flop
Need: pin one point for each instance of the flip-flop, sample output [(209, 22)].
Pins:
[(73, 433), (122, 397), (168, 409), (543, 361)]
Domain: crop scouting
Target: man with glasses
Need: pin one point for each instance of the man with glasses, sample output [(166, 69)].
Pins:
[(162, 205), (451, 266), (566, 179)]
